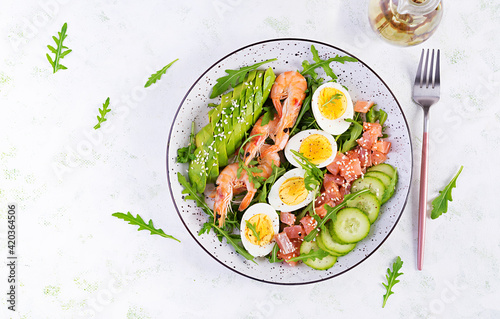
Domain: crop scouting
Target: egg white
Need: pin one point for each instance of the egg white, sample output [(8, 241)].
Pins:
[(260, 208), (274, 197), (336, 126), (296, 141)]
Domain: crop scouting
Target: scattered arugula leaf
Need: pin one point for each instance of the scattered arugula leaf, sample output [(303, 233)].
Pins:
[(186, 154), (138, 221), (103, 113), (275, 174), (392, 278), (253, 229), (233, 78), (309, 69), (334, 97), (313, 177), (374, 115), (192, 194), (157, 76), (313, 254), (440, 203), (332, 213), (59, 52)]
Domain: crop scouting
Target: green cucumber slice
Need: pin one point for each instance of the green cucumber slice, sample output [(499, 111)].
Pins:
[(331, 245), (384, 178), (321, 245), (319, 264), (351, 225), (384, 168), (368, 204), (374, 184)]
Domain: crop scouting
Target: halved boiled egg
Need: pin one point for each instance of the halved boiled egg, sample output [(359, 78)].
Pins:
[(289, 193), (317, 146), (258, 239), (331, 105)]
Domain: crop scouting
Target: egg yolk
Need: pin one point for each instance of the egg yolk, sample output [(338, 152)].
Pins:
[(316, 148), (293, 191), (263, 227), (332, 103)]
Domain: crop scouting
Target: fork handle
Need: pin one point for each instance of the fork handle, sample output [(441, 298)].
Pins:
[(422, 209)]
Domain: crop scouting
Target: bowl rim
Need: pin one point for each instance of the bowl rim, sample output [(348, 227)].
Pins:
[(280, 40)]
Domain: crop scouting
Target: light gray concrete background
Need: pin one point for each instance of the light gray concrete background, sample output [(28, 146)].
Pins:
[(77, 261)]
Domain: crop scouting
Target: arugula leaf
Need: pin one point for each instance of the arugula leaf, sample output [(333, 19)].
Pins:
[(332, 213), (255, 180), (231, 240), (309, 69), (59, 51), (313, 254), (157, 76), (276, 173), (354, 131), (192, 194), (391, 278), (253, 229), (314, 176), (273, 256), (233, 78), (103, 113), (268, 116), (440, 203), (334, 97), (138, 221), (186, 154)]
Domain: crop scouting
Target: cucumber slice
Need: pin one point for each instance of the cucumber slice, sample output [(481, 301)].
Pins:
[(319, 264), (368, 204), (389, 191), (374, 184), (384, 178), (351, 225), (384, 168), (331, 245), (321, 245)]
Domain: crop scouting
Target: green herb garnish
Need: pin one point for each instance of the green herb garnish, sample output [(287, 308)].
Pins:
[(233, 78), (334, 97), (102, 112), (59, 51), (138, 221), (253, 229), (268, 115), (392, 278), (309, 69), (313, 254), (276, 173), (313, 177), (186, 154), (440, 203), (250, 170), (157, 76)]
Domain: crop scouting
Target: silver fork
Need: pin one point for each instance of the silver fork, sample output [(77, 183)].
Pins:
[(426, 94)]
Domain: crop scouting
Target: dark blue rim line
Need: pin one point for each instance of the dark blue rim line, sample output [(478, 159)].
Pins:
[(277, 40)]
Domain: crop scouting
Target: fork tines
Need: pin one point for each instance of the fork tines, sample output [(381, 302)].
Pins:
[(427, 79)]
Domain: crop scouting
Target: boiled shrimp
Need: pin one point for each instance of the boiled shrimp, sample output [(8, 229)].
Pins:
[(288, 93), (260, 133), (228, 184)]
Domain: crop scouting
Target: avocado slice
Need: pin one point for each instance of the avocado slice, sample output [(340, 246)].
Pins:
[(197, 170)]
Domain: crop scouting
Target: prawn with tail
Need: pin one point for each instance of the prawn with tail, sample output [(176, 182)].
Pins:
[(288, 93), (228, 183)]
